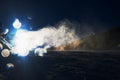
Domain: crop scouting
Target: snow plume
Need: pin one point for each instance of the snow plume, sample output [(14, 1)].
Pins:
[(40, 40)]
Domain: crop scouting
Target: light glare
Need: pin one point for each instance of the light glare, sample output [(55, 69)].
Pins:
[(17, 24)]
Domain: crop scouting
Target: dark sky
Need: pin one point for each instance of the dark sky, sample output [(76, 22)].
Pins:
[(45, 12)]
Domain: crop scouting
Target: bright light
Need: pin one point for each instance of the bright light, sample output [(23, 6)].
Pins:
[(25, 41), (6, 31), (22, 43), (17, 24)]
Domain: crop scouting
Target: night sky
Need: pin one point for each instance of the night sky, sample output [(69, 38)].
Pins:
[(105, 13)]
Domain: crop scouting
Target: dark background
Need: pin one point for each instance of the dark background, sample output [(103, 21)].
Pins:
[(63, 66), (102, 13)]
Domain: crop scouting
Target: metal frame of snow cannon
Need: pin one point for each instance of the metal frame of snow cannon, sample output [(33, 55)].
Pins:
[(5, 43)]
